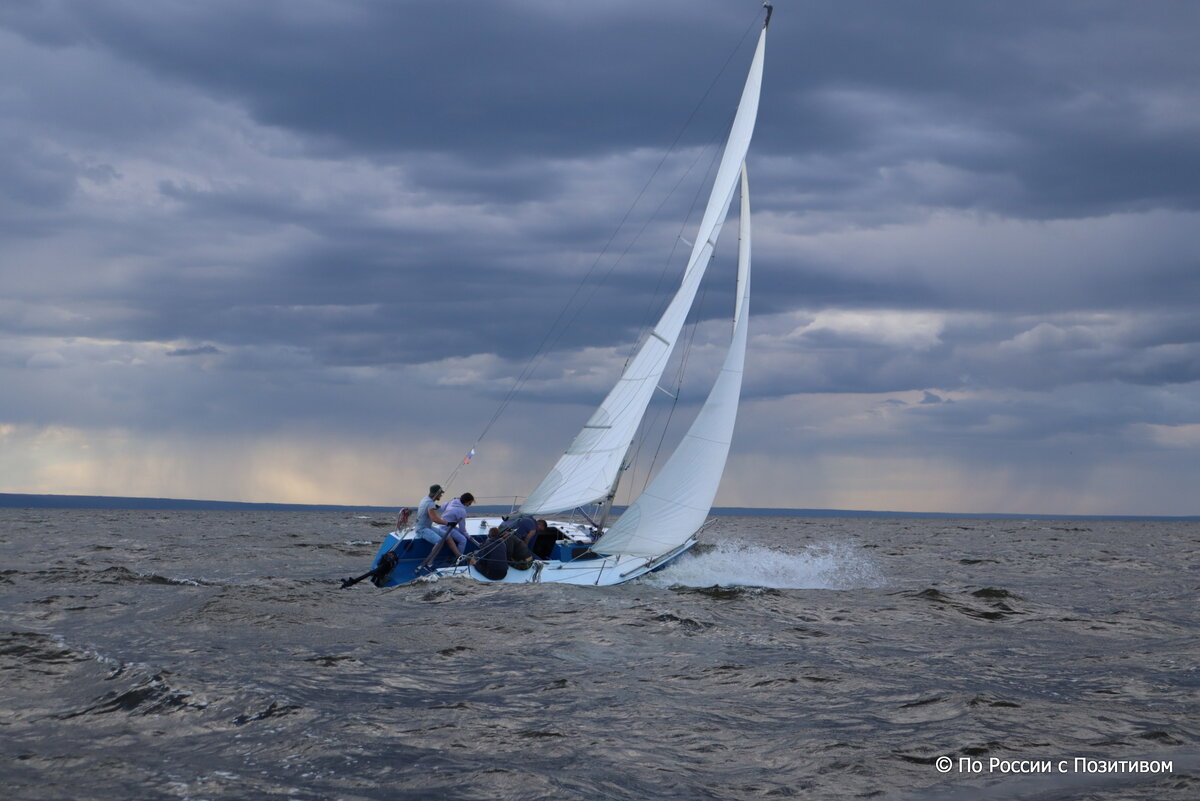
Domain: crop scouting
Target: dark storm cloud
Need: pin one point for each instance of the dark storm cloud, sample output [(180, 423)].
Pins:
[(465, 110), (1084, 106), (231, 215), (360, 292), (1061, 99), (1035, 110), (481, 78)]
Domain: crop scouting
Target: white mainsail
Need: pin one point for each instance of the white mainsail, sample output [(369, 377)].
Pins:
[(676, 503), (587, 471)]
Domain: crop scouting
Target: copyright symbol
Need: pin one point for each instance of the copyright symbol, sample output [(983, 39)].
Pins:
[(943, 764)]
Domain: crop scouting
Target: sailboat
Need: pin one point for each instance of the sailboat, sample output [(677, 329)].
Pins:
[(663, 522)]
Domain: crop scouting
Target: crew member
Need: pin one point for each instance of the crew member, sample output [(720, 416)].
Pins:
[(541, 540), (491, 559), (427, 515), (454, 517)]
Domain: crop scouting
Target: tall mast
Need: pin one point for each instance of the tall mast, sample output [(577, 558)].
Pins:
[(588, 470)]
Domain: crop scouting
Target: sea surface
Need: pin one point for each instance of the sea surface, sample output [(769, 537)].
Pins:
[(211, 655)]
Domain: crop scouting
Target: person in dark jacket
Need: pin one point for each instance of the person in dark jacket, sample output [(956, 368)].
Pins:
[(491, 558), (541, 540), (519, 556)]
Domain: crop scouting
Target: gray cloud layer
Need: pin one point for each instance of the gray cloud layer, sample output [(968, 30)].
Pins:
[(236, 217)]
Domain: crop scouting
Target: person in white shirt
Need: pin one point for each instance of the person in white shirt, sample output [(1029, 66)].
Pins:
[(454, 517)]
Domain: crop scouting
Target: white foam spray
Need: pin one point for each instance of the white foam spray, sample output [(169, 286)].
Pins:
[(820, 566)]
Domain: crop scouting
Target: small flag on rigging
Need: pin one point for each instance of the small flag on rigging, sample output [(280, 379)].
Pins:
[(467, 459)]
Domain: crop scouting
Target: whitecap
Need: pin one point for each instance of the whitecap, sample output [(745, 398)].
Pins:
[(822, 566)]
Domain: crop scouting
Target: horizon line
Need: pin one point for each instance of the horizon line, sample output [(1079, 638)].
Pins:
[(17, 500)]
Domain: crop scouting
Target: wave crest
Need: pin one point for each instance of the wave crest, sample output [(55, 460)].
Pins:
[(820, 566)]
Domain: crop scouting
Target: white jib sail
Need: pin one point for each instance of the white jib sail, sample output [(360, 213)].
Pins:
[(588, 469), (676, 503)]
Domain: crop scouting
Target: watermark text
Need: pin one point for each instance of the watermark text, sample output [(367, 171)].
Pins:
[(947, 764)]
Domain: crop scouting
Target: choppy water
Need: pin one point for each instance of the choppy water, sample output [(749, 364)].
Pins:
[(210, 655)]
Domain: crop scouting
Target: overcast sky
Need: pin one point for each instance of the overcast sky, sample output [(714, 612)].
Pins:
[(300, 251)]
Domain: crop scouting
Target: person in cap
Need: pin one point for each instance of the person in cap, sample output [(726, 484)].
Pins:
[(427, 515)]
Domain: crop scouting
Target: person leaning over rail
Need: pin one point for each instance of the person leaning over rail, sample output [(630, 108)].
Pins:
[(533, 535), (520, 527)]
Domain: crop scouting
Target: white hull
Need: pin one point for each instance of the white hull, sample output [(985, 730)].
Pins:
[(575, 563), (602, 571)]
